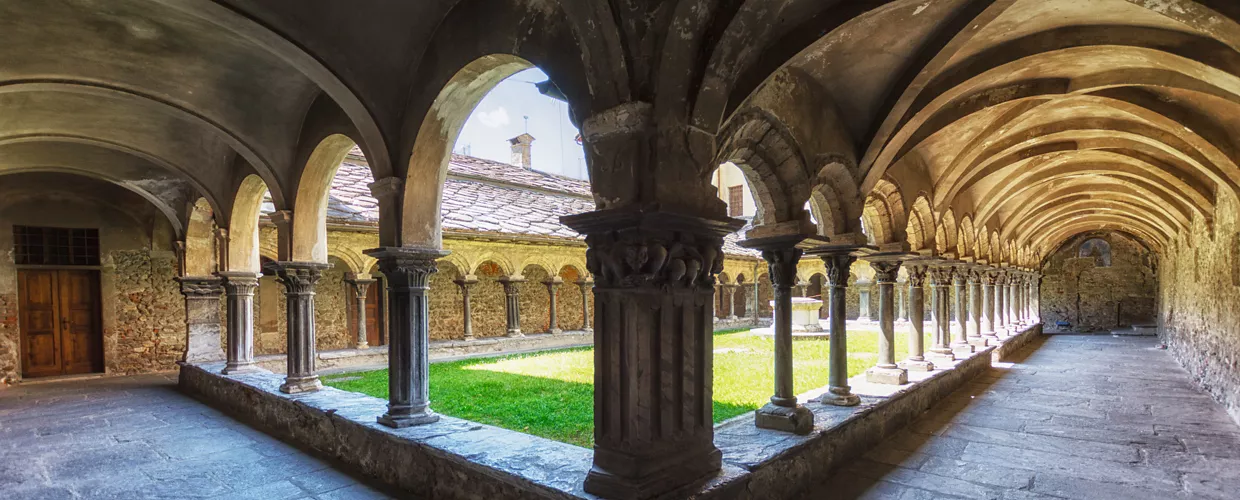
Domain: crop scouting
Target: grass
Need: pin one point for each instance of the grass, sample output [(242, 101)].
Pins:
[(551, 393)]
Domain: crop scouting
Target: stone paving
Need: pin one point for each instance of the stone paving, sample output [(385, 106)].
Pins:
[(1079, 417), (138, 438)]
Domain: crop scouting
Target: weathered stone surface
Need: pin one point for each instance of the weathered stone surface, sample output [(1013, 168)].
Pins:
[(1098, 292)]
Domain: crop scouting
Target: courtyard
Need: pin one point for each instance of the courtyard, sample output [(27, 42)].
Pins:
[(551, 394)]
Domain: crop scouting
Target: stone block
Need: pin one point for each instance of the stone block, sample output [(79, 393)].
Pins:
[(963, 350), (916, 366), (797, 420), (891, 376)]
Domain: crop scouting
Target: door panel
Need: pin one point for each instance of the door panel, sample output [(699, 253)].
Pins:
[(373, 323), (39, 323), (79, 313)]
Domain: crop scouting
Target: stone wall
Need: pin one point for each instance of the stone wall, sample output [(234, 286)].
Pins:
[(331, 309), (447, 316), (149, 331), (1088, 296), (1199, 303), (535, 303)]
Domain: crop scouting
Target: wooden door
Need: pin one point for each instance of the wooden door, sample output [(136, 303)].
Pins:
[(374, 315), (60, 323)]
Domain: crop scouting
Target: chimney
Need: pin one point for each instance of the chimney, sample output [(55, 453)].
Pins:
[(521, 150)]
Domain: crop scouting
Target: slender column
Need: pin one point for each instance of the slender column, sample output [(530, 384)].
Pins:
[(1035, 306), (975, 308), (585, 286), (239, 290), (960, 343), (799, 288), (299, 279), (1000, 311), (916, 321), (1013, 319), (553, 320), (730, 294), (838, 392), (654, 276), (901, 301), (202, 318), (988, 304), (360, 286), (408, 271), (783, 413), (512, 304), (466, 283), (886, 371), (940, 283), (863, 315)]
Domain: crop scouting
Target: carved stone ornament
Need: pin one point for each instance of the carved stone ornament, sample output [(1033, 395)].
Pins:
[(917, 275), (838, 268), (298, 278), (941, 275), (886, 271), (408, 267), (643, 258), (201, 287), (782, 265)]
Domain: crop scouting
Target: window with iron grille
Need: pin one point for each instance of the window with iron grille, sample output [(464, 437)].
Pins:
[(736, 201), (55, 246)]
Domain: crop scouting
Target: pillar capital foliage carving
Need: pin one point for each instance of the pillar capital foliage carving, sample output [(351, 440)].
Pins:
[(886, 271), (782, 266), (201, 287), (298, 278), (1001, 278), (408, 267), (941, 275), (838, 269), (917, 275), (238, 283), (988, 278)]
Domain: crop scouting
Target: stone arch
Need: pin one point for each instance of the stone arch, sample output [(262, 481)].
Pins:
[(771, 160), (497, 259), (966, 239), (244, 247), (945, 236), (354, 262), (199, 255), (569, 297), (309, 237), (921, 227), (835, 198)]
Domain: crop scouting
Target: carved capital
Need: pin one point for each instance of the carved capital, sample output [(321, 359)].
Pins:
[(988, 277), (626, 119), (512, 285), (385, 188), (917, 275), (782, 265), (886, 271), (407, 267), (360, 285), (298, 278), (838, 269), (941, 275), (239, 283), (201, 287)]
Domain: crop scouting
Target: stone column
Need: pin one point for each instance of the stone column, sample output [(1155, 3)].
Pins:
[(1013, 307), (916, 321), (1000, 286), (239, 289), (783, 413), (553, 320), (299, 279), (202, 318), (863, 315), (941, 283), (730, 296), (654, 299), (1035, 304), (988, 304), (838, 392), (901, 301), (512, 304), (408, 271), (975, 308), (960, 343), (799, 288), (886, 371), (585, 286), (466, 283), (360, 286)]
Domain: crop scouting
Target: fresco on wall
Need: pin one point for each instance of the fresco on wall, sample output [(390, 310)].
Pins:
[(1097, 249)]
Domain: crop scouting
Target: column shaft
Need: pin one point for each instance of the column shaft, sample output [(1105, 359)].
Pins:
[(512, 304), (960, 343), (553, 320), (299, 279), (975, 309), (917, 320), (885, 371), (408, 271), (585, 287), (239, 290), (988, 304), (783, 413), (941, 282), (360, 287), (1000, 311), (838, 392), (466, 284)]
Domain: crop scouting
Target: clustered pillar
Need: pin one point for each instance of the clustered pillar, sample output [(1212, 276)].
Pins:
[(466, 284), (917, 321), (940, 284), (512, 304), (960, 343), (239, 289), (299, 280), (975, 308)]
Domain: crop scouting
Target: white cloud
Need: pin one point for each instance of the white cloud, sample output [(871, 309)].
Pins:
[(495, 118)]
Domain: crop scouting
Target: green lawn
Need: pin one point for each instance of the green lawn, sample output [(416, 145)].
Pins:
[(551, 393)]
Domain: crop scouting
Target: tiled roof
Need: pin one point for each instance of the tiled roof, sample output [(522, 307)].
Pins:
[(483, 196)]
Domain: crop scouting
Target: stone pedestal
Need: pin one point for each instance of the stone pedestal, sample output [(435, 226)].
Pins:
[(239, 290), (796, 419), (408, 271), (654, 301), (202, 318), (299, 279)]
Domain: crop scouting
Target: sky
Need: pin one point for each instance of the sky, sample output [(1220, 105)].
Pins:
[(501, 116)]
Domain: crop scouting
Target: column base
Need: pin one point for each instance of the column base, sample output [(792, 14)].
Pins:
[(301, 385), (979, 342), (916, 365), (240, 368), (515, 334), (469, 338), (554, 331), (797, 419), (889, 376), (839, 396), (401, 421), (362, 346), (941, 356), (672, 479), (962, 349)]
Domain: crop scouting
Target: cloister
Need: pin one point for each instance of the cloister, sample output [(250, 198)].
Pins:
[(989, 165)]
